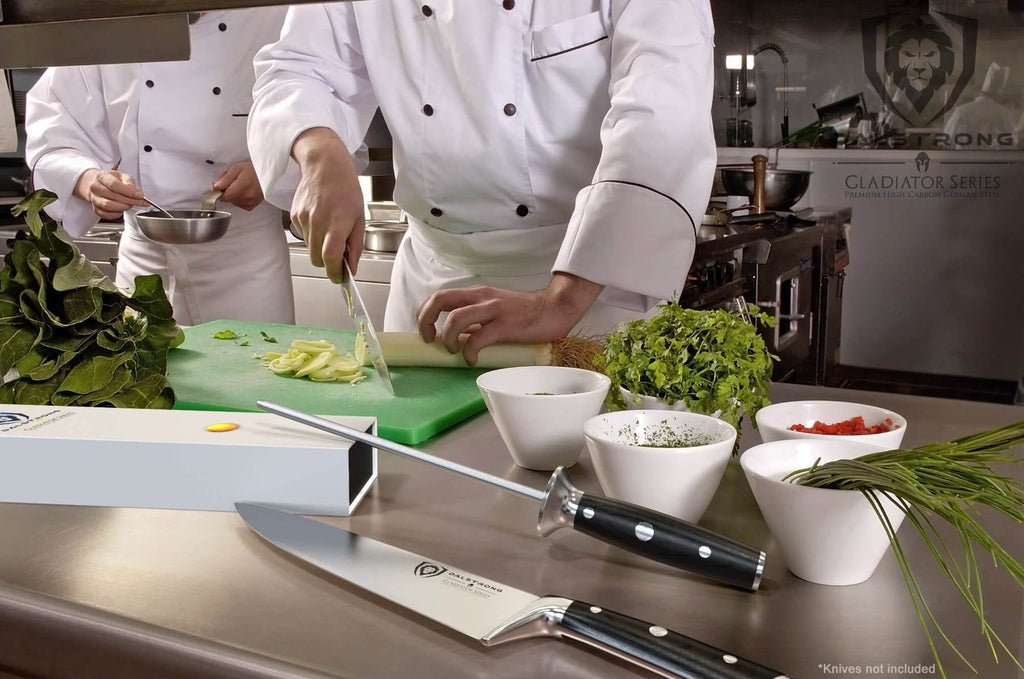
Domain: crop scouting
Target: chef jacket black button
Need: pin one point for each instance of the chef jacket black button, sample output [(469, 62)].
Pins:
[(216, 90), (149, 83), (147, 148), (522, 210), (436, 211), (510, 109), (222, 27), (428, 110), (209, 162), (427, 11), (508, 4)]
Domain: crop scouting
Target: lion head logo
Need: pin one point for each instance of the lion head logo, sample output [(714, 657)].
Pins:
[(429, 570), (919, 58), (919, 63)]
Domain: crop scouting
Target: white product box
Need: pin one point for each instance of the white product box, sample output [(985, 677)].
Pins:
[(114, 457)]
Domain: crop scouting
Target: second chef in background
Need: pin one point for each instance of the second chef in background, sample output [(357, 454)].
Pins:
[(558, 153), (100, 136)]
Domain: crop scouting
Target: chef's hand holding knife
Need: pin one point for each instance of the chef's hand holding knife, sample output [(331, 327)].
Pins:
[(328, 205)]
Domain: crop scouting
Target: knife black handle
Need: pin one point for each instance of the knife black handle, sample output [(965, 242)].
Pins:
[(669, 540), (654, 647)]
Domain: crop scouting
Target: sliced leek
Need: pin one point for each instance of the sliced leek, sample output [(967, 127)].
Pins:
[(317, 360)]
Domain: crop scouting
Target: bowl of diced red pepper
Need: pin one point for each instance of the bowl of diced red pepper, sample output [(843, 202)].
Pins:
[(831, 420)]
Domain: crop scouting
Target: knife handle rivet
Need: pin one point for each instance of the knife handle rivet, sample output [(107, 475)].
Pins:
[(657, 631), (588, 512), (731, 659), (644, 531), (704, 551), (595, 609)]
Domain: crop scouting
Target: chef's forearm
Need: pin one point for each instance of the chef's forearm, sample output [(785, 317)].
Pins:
[(573, 294), (317, 144), (62, 171)]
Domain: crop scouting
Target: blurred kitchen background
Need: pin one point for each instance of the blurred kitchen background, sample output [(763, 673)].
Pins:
[(897, 267)]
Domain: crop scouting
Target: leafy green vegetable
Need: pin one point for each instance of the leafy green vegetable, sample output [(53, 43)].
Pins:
[(68, 336), (267, 338), (226, 335), (711, 360), (243, 343), (949, 480)]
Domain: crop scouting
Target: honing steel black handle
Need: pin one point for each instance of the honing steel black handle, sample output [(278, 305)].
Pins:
[(654, 647), (669, 540)]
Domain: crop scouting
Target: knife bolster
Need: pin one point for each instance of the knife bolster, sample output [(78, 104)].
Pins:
[(542, 618), (561, 500)]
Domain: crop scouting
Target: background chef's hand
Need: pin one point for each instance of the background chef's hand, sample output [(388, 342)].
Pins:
[(328, 204), (240, 185), (109, 192), (493, 315)]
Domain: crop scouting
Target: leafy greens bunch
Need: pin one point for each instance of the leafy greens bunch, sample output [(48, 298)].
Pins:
[(949, 481), (67, 335), (711, 360)]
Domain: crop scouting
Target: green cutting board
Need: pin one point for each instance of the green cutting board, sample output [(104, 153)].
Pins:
[(212, 374)]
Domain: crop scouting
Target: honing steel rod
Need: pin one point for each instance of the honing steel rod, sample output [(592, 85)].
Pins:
[(637, 529)]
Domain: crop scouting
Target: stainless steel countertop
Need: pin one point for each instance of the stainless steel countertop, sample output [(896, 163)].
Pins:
[(149, 593)]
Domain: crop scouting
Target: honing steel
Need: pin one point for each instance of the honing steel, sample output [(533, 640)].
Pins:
[(489, 611), (640, 530)]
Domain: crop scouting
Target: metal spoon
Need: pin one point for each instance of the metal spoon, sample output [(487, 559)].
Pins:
[(169, 215)]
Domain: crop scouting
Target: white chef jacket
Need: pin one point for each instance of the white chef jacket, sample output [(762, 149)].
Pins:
[(982, 117), (175, 127), (530, 136)]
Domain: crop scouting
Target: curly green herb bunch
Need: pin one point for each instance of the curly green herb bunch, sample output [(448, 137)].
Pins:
[(710, 360), (948, 481), (68, 336)]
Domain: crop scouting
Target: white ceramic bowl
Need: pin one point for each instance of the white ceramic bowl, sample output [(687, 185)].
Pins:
[(774, 421), (831, 537), (540, 411), (679, 481)]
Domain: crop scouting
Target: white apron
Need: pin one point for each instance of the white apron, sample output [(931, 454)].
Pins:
[(241, 276), (430, 259)]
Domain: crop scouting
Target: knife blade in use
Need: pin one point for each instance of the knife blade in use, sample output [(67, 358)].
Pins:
[(489, 611), (357, 312)]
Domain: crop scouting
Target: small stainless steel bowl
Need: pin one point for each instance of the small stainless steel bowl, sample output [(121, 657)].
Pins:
[(188, 226), (782, 188), (384, 236)]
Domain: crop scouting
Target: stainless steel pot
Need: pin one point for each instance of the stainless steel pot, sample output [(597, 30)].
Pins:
[(782, 188), (187, 226), (384, 236)]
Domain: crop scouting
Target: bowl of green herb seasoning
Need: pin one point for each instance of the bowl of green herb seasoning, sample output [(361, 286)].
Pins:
[(666, 460)]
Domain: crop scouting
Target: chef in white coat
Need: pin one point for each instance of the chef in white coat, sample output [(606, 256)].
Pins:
[(101, 137), (986, 120), (554, 157)]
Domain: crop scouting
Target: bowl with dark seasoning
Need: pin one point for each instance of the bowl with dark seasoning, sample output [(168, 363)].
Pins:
[(540, 410), (669, 461)]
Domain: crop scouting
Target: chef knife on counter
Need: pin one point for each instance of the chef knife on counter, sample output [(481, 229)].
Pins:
[(489, 611), (637, 529), (357, 311)]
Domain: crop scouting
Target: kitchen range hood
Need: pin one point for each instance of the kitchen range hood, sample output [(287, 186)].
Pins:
[(36, 33)]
